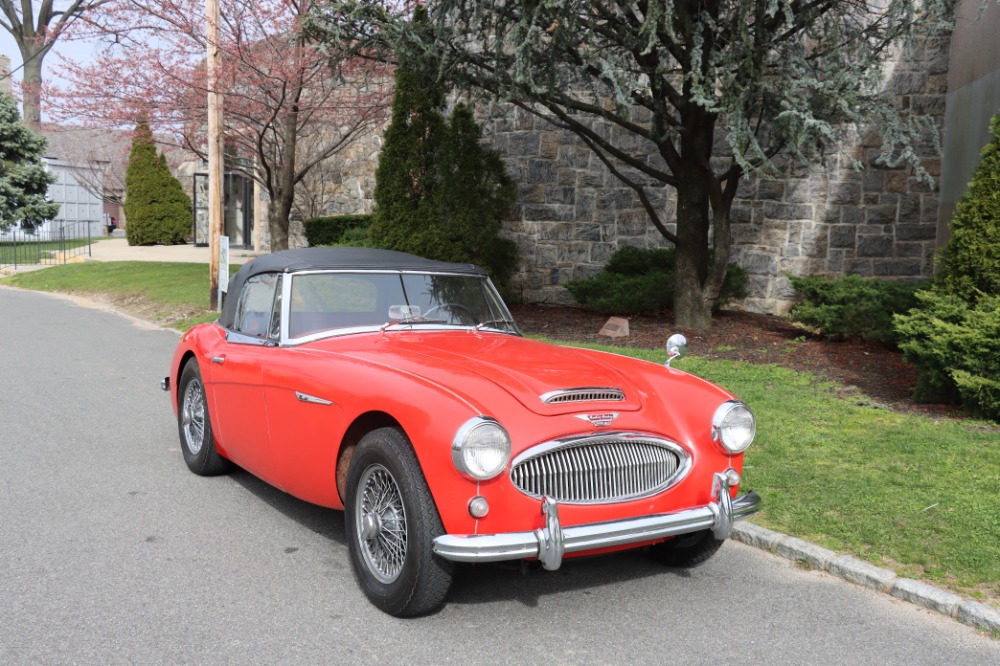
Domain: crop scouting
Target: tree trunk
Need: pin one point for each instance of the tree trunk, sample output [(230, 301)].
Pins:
[(31, 87), (277, 222), (692, 304)]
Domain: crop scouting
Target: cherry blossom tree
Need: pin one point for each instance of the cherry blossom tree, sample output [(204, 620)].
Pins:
[(280, 93)]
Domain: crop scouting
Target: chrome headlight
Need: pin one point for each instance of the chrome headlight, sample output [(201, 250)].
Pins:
[(733, 426), (481, 448)]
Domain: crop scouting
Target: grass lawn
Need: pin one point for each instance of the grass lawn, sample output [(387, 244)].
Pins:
[(912, 493), (171, 294)]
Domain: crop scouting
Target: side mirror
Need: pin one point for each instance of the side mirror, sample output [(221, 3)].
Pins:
[(677, 346)]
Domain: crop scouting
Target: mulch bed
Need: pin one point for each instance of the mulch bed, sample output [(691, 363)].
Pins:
[(871, 368)]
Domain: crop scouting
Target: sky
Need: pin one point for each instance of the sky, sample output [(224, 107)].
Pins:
[(75, 50)]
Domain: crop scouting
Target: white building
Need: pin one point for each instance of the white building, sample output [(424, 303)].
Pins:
[(78, 203)]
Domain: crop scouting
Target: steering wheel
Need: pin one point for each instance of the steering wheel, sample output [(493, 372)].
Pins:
[(453, 310)]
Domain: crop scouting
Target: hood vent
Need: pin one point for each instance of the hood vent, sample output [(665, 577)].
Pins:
[(583, 395)]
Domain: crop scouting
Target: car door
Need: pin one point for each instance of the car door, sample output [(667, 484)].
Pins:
[(238, 375)]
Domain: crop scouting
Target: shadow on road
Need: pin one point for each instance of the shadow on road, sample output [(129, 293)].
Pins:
[(480, 583)]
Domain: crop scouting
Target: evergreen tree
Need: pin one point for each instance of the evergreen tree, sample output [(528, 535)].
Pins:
[(157, 211), (404, 217), (438, 192), (24, 181), (969, 265), (953, 335)]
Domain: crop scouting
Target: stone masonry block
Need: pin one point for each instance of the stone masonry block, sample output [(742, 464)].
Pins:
[(843, 235), (925, 595), (898, 267), (915, 232), (782, 211), (980, 615), (798, 550), (874, 246), (756, 536), (861, 573), (771, 189)]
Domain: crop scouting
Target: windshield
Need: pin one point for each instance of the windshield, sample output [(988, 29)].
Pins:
[(324, 302)]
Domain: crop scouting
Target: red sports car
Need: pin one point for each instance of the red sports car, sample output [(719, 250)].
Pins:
[(400, 390)]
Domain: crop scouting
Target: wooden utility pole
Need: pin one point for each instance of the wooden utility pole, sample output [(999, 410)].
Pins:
[(215, 216)]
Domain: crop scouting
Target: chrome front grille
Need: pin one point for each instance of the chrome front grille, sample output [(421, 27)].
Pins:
[(595, 469), (583, 395)]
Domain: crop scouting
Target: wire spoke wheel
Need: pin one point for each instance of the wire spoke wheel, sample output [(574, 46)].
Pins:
[(381, 523), (194, 425), (193, 417), (391, 524)]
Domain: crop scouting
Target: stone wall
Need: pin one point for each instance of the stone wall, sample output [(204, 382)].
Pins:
[(825, 219)]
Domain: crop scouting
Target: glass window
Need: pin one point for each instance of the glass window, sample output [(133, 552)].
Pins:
[(325, 301), (253, 312), (456, 300)]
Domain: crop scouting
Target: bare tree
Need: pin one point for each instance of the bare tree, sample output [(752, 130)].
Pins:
[(35, 27)]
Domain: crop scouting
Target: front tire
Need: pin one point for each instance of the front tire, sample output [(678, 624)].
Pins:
[(687, 550), (391, 525), (195, 427)]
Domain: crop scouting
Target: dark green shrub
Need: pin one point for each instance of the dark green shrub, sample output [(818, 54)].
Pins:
[(852, 307), (969, 264), (356, 237), (630, 260), (637, 280), (956, 347), (157, 210), (330, 230), (616, 294)]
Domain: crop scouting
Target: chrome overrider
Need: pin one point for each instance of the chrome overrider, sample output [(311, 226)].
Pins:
[(549, 543)]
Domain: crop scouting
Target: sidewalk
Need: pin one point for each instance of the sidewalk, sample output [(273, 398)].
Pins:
[(118, 249)]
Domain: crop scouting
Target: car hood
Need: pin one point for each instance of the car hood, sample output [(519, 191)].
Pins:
[(526, 369)]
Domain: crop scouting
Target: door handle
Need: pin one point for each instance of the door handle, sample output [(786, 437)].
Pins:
[(219, 359)]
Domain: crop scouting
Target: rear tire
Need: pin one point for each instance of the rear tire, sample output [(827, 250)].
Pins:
[(195, 426), (391, 525), (687, 550)]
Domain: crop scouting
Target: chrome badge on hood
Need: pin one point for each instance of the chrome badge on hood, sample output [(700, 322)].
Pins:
[(603, 419)]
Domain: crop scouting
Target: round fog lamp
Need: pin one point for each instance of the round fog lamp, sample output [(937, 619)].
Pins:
[(734, 426), (478, 507), (733, 477)]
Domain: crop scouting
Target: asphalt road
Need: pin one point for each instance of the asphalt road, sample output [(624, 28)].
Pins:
[(111, 552)]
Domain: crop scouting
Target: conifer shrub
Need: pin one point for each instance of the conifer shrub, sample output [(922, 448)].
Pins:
[(157, 210), (956, 347), (331, 229), (852, 307), (969, 264), (24, 180), (641, 280), (438, 192), (953, 335)]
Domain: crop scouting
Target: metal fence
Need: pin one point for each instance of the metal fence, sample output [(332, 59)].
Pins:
[(55, 243)]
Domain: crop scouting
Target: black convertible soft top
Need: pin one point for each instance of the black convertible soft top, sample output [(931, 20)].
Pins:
[(332, 258)]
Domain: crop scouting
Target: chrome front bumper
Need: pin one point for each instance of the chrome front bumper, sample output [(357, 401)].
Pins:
[(549, 544)]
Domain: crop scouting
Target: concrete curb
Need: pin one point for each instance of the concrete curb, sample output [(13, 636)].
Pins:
[(972, 613)]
